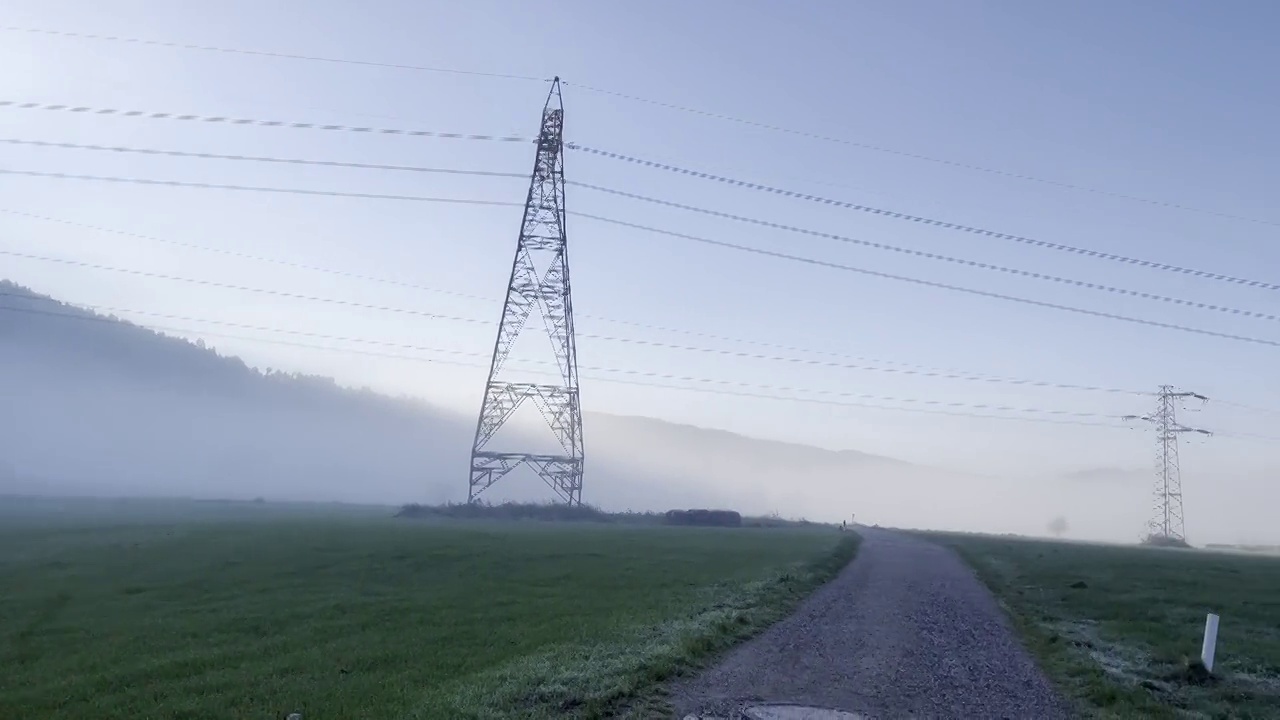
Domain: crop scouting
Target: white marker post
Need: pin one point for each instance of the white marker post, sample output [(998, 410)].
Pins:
[(1210, 641)]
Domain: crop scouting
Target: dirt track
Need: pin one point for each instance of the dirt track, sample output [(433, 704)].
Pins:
[(906, 630)]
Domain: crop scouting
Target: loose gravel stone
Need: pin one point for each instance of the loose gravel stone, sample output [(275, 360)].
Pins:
[(906, 630)]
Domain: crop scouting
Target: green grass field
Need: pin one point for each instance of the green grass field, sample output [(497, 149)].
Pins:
[(1121, 645), (345, 614)]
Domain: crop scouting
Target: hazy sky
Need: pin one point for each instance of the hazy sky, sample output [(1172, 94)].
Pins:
[(1173, 101)]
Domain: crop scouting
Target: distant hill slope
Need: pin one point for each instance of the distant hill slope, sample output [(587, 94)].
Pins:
[(646, 431), (1113, 475), (99, 405)]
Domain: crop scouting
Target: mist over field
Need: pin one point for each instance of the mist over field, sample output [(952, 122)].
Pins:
[(99, 407)]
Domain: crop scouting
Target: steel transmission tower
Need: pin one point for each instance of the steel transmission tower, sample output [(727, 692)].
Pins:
[(1166, 525), (539, 281)]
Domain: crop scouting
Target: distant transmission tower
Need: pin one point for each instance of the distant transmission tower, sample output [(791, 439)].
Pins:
[(542, 245), (1166, 525)]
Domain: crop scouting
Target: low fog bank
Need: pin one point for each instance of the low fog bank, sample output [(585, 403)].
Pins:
[(75, 427), (110, 409), (97, 407), (80, 429)]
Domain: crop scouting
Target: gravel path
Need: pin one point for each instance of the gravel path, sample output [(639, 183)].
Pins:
[(906, 630)]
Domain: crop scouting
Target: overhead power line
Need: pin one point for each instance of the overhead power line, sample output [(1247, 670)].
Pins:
[(921, 157), (1058, 416), (694, 238), (262, 159), (1250, 408), (936, 374), (248, 289), (656, 103), (929, 373), (271, 54), (250, 256), (425, 288), (931, 256), (255, 188), (923, 370), (243, 288), (763, 223), (478, 365), (924, 220), (931, 283), (224, 323), (1247, 436), (218, 119)]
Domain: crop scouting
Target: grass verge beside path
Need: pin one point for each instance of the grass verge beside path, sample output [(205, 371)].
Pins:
[(627, 673), (360, 617), (1117, 627)]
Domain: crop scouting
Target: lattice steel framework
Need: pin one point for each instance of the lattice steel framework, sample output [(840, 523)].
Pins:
[(1167, 525), (542, 244)]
